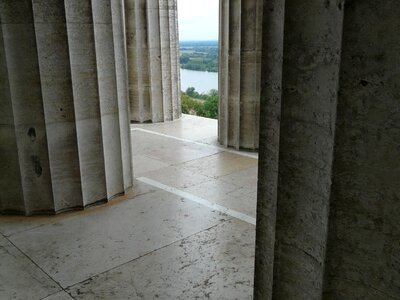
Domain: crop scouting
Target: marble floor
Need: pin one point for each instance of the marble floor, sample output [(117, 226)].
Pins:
[(185, 231)]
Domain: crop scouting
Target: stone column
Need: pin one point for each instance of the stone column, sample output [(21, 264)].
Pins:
[(239, 73), (178, 66), (328, 198), (165, 59), (121, 65), (62, 103), (297, 183), (270, 113), (153, 62), (175, 70), (311, 61), (28, 114), (10, 179), (363, 253)]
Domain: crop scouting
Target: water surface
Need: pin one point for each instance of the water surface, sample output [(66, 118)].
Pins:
[(201, 81)]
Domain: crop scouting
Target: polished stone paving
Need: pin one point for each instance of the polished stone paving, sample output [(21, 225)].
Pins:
[(186, 231)]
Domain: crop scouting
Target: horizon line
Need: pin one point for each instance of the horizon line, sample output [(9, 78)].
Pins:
[(212, 40)]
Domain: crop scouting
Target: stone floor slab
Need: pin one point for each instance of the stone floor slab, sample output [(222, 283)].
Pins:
[(144, 164), (10, 225), (59, 296), (220, 164), (149, 242), (211, 189), (20, 278), (240, 199), (77, 248), (244, 178), (168, 150), (188, 127), (214, 264), (177, 177)]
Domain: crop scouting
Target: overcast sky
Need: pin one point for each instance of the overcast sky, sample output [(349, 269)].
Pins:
[(198, 20)]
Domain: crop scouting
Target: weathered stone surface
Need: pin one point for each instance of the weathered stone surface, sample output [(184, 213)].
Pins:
[(109, 110), (55, 77), (22, 64), (62, 111), (270, 113), (86, 99), (239, 73), (363, 253), (334, 228), (310, 76), (121, 66), (153, 61), (10, 175)]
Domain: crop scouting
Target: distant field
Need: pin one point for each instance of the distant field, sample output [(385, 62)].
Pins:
[(187, 51), (198, 44), (199, 55)]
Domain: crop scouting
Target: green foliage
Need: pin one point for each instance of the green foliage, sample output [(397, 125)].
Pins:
[(199, 56), (203, 105)]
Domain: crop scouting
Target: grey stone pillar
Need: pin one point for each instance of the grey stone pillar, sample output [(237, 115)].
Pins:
[(153, 63), (311, 60), (178, 66), (62, 115), (296, 183), (121, 65), (363, 253), (270, 113), (239, 73), (328, 198), (175, 69)]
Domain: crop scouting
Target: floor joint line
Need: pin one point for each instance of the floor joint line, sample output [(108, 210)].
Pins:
[(199, 200), (250, 155), (150, 252), (40, 268)]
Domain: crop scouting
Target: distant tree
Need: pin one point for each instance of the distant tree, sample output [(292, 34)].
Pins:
[(213, 93), (184, 59), (204, 105), (190, 91), (211, 107)]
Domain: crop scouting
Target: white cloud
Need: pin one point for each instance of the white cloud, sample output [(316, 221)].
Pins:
[(198, 19)]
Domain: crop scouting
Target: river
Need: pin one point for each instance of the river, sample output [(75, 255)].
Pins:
[(201, 81)]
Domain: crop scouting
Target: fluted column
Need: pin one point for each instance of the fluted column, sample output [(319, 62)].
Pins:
[(175, 70), (270, 114), (327, 215), (178, 67), (363, 253), (22, 64), (239, 73), (10, 179), (294, 186), (62, 105), (153, 61), (121, 65)]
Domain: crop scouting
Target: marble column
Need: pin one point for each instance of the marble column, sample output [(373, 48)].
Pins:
[(239, 73), (327, 219), (62, 115), (153, 62)]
